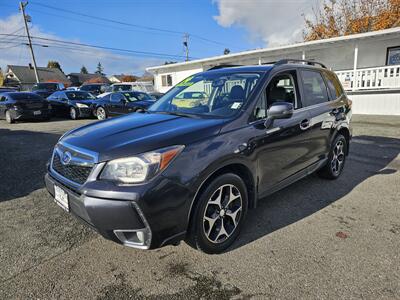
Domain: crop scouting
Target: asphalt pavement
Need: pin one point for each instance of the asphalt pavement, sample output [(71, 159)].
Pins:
[(316, 239)]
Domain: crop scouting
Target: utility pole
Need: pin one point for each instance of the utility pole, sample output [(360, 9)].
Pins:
[(186, 45), (22, 9)]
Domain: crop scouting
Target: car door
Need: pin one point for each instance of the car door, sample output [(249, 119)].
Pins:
[(53, 101), (117, 103), (283, 148), (3, 99), (323, 111)]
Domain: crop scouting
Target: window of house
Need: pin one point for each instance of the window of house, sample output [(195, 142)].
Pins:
[(166, 80), (393, 56), (314, 88)]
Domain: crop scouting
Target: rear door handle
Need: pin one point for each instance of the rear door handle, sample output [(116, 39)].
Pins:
[(305, 124)]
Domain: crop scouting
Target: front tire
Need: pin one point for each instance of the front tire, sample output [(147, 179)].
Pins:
[(9, 118), (336, 159), (219, 214), (73, 113), (101, 113)]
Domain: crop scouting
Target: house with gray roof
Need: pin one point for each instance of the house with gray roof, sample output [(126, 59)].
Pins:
[(24, 76)]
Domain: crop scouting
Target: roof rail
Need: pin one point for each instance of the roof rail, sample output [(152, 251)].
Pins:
[(223, 66), (308, 62)]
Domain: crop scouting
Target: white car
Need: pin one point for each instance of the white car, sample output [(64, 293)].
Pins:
[(140, 86)]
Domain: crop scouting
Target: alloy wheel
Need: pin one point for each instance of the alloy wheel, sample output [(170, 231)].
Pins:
[(338, 157), (8, 117), (72, 113), (101, 113), (222, 213)]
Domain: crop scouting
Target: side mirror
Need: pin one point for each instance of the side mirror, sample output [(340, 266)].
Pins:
[(278, 110)]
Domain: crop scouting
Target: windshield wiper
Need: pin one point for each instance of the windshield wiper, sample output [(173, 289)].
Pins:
[(174, 113)]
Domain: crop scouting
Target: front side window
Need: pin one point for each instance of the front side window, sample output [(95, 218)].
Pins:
[(116, 97), (212, 94), (314, 88), (282, 88)]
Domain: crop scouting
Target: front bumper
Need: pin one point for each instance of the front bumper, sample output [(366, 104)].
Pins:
[(138, 216), (85, 111)]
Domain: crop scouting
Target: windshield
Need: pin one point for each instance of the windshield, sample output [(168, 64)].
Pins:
[(215, 94), (78, 95), (45, 86), (136, 96), (122, 87)]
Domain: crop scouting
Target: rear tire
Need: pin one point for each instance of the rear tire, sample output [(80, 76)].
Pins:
[(336, 159), (9, 118), (73, 114), (218, 215)]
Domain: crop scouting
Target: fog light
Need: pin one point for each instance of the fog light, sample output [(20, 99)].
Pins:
[(140, 236), (134, 238)]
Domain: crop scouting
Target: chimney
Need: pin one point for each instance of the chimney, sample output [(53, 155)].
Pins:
[(30, 66)]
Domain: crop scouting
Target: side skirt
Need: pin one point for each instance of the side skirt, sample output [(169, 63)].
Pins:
[(293, 178)]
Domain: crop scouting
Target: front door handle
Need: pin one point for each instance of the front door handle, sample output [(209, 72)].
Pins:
[(305, 124)]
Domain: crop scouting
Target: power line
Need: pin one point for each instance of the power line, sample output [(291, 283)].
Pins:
[(154, 29), (138, 52)]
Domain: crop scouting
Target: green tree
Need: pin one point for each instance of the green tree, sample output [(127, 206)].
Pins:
[(54, 65), (99, 69), (84, 70)]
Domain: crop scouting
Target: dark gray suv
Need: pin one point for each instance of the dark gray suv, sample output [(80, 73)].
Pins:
[(191, 167)]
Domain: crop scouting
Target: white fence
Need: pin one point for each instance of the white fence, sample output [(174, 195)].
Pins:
[(387, 77)]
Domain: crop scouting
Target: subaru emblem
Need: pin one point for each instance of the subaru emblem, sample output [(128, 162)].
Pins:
[(66, 158)]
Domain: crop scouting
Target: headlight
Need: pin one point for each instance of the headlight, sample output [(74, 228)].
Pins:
[(80, 105), (140, 168)]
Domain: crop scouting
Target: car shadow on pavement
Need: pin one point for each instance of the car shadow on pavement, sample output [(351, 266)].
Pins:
[(23, 158), (369, 156)]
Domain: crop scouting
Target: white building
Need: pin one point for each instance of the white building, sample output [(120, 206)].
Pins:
[(368, 65)]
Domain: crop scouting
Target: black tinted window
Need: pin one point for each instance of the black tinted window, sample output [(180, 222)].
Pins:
[(334, 86), (25, 96), (314, 88)]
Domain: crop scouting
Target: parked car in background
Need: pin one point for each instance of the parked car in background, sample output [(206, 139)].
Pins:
[(72, 88), (72, 104), (94, 88), (142, 86), (121, 103), (8, 89), (45, 89), (23, 106), (192, 173), (156, 95)]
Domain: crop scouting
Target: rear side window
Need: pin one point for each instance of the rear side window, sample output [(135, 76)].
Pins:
[(334, 86), (314, 88)]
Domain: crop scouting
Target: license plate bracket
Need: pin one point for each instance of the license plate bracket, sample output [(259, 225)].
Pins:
[(37, 113)]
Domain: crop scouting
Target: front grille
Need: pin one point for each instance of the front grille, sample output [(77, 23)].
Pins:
[(75, 173)]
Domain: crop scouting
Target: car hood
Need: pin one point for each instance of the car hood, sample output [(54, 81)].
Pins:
[(138, 133)]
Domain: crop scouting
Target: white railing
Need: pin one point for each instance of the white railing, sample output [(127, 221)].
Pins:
[(387, 77)]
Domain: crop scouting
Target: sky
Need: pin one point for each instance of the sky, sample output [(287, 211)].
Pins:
[(155, 28)]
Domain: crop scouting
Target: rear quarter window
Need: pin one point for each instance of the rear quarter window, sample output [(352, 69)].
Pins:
[(334, 86)]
